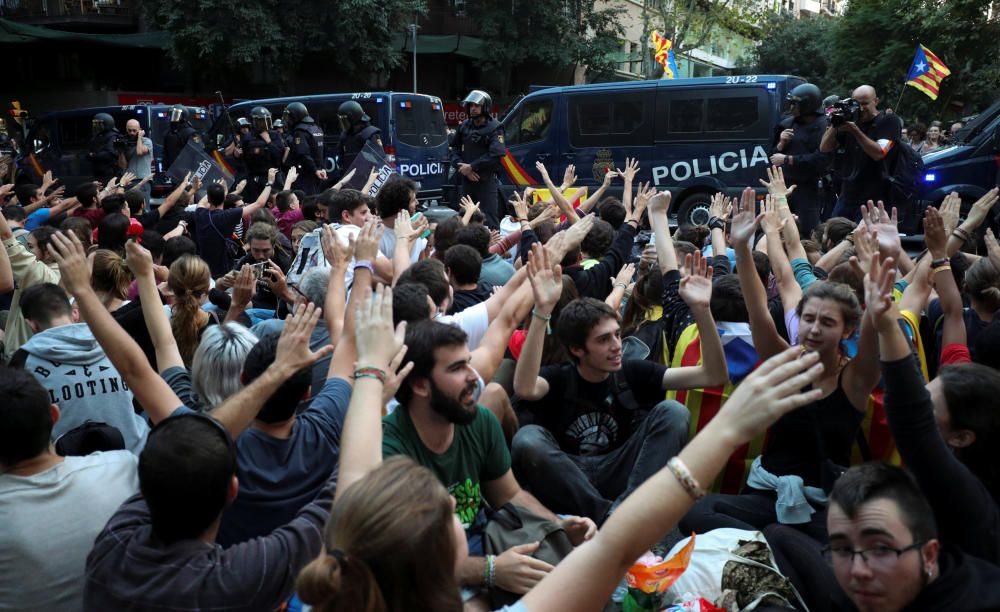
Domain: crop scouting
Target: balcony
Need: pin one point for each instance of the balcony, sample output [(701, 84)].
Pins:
[(809, 7), (447, 20), (74, 15)]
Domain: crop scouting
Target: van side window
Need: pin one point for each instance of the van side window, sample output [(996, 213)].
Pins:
[(685, 115), (532, 122), (620, 119)]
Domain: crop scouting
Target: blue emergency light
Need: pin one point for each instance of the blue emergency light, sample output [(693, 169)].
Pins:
[(138, 111), (772, 85), (930, 177), (161, 115), (378, 100)]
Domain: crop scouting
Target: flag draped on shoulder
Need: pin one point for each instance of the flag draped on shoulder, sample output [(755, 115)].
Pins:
[(664, 54), (927, 72)]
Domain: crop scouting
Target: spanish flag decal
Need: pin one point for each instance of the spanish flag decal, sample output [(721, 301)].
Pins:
[(518, 175)]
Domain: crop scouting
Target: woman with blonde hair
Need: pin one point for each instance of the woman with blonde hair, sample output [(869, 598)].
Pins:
[(189, 282), (110, 278)]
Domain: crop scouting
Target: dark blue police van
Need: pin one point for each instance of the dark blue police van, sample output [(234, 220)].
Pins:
[(414, 133), (692, 136), (59, 141), (970, 165)]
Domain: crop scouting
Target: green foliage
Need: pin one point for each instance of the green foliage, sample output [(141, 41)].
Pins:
[(690, 23), (233, 40), (874, 43), (550, 32)]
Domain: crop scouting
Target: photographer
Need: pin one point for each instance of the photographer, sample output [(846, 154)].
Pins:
[(867, 137), (138, 154), (105, 148), (796, 150)]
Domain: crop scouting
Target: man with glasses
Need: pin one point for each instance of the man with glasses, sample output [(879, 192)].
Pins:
[(796, 150)]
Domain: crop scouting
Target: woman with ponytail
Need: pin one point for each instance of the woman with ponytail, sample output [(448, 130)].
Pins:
[(189, 282), (110, 278)]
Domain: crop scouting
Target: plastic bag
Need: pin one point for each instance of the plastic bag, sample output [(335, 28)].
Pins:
[(651, 576)]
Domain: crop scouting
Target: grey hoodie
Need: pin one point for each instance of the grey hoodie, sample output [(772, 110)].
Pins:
[(80, 379)]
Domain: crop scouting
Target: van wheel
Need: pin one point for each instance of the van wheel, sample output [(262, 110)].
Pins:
[(694, 209)]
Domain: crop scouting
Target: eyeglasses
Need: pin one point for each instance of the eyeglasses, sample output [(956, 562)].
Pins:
[(879, 557)]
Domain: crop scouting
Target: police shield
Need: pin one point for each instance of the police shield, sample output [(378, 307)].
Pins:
[(193, 159), (371, 157)]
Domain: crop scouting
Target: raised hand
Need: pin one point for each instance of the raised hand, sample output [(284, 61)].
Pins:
[(878, 287), (244, 287), (865, 248), (950, 210), (643, 195), (745, 221), (520, 204), (631, 169), (569, 177), (545, 277), (775, 182), (338, 253), (696, 281), (658, 204), (377, 342), (577, 232), (624, 276), (272, 174), (721, 206), (395, 375), (889, 243), (138, 259), (609, 176), (67, 251), (367, 241), (293, 350), (982, 207), (992, 248), (934, 235), (773, 389), (772, 221)]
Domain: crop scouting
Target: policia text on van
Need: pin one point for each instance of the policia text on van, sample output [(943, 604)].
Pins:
[(693, 136)]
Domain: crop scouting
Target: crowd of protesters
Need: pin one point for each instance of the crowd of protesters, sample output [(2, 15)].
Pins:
[(188, 421)]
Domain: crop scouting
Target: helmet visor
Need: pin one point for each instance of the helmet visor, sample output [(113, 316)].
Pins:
[(262, 122), (97, 126), (345, 122), (176, 114)]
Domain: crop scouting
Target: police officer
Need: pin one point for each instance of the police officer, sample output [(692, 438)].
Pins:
[(796, 150), (181, 131), (263, 149), (105, 148), (356, 130), (279, 127), (476, 150), (306, 152)]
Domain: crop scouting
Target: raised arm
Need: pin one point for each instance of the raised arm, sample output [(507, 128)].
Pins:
[(590, 573), (696, 291), (766, 339), (628, 175), (175, 196), (719, 212), (557, 195), (545, 277), (977, 214), (365, 249), (953, 329), (339, 256), (587, 205), (791, 292), (264, 195), (666, 256), (140, 262), (153, 393)]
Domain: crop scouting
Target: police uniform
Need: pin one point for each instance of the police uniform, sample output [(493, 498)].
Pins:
[(307, 156), (259, 156), (353, 142), (482, 147), (175, 141), (103, 155), (806, 168)]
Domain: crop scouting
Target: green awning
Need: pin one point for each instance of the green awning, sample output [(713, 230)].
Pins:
[(454, 44), (12, 32)]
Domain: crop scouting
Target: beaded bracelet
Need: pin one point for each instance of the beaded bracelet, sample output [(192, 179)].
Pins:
[(489, 576), (684, 477), (370, 372)]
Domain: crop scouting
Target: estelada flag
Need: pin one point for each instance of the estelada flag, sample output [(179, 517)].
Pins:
[(927, 72), (664, 54)]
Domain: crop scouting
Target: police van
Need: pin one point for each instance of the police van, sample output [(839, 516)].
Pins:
[(970, 165), (413, 128), (59, 141), (692, 136)]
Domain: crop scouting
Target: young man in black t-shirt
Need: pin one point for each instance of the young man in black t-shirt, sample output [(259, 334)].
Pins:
[(862, 147), (602, 426)]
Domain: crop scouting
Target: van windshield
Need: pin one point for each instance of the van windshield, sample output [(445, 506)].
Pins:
[(977, 124), (419, 122)]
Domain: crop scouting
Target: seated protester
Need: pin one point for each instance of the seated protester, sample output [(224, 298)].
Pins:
[(982, 286), (439, 425), (398, 194), (313, 288), (553, 350), (495, 270), (52, 507), (68, 362), (299, 231), (164, 216), (189, 282), (878, 512), (602, 427), (596, 244), (613, 211), (214, 225), (412, 560), (286, 211), (350, 210), (16, 219), (157, 550), (271, 287), (90, 205), (789, 481), (595, 281), (463, 265), (31, 265)]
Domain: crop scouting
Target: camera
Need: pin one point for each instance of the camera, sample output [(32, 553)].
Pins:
[(120, 142), (843, 111)]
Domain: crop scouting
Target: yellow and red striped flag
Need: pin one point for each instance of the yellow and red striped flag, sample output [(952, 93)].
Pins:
[(927, 72), (664, 54)]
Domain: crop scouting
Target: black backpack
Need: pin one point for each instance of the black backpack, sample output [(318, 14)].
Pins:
[(903, 172)]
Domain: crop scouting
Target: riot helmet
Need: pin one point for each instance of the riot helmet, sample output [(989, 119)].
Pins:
[(241, 123), (102, 122), (350, 114), (279, 124), (480, 97), (806, 97), (178, 114), (296, 113), (261, 118)]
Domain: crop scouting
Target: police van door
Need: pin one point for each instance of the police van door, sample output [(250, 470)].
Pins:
[(605, 128), (531, 136), (420, 142)]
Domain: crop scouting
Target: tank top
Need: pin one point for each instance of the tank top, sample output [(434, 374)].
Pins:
[(793, 444)]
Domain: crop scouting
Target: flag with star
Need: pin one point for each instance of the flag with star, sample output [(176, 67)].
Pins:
[(927, 72), (664, 54)]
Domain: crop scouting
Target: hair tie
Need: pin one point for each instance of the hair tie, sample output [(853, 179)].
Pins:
[(339, 555)]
